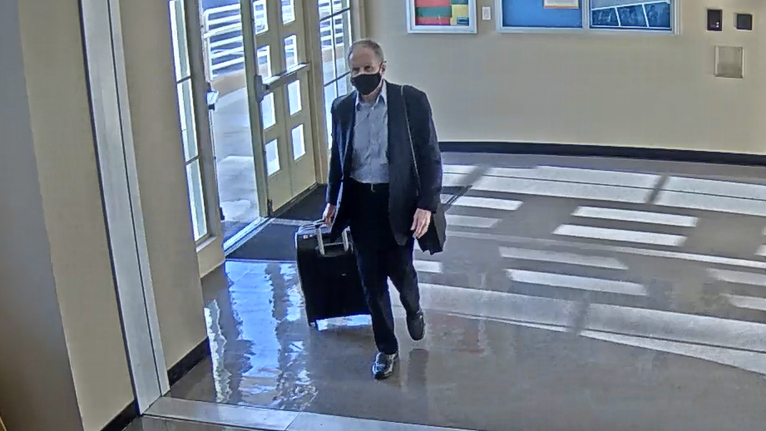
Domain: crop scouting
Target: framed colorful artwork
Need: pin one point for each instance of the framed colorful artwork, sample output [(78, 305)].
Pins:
[(441, 16)]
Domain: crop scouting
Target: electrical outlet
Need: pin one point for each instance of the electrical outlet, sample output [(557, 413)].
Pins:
[(486, 13)]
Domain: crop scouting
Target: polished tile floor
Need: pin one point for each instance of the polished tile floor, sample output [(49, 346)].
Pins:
[(574, 294), (155, 424)]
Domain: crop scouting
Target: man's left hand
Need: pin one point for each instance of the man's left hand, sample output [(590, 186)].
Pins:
[(421, 222)]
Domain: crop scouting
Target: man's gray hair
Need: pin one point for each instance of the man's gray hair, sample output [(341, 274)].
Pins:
[(369, 44)]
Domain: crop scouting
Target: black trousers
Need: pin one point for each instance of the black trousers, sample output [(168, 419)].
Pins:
[(381, 258)]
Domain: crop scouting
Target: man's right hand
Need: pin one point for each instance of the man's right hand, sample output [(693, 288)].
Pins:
[(329, 214)]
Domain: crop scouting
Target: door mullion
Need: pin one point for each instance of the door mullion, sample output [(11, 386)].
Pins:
[(205, 151), (256, 121), (281, 94)]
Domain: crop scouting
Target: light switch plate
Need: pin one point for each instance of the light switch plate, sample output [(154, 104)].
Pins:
[(744, 21), (486, 13)]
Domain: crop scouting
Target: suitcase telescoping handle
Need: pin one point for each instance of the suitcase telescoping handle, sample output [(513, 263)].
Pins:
[(320, 239)]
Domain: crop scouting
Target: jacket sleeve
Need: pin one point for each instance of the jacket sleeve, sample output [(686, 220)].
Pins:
[(427, 153), (335, 173)]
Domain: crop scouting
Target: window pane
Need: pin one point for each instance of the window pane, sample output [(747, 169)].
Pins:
[(659, 14), (272, 158), (606, 17), (329, 96), (222, 38), (632, 16), (261, 17), (196, 200), (325, 8), (288, 11), (299, 146), (328, 56), (342, 39), (532, 13), (344, 85), (188, 126), (264, 61), (339, 5), (178, 35), (267, 111), (649, 15), (294, 97), (291, 52)]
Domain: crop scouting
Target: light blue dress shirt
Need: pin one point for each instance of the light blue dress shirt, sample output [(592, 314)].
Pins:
[(370, 148)]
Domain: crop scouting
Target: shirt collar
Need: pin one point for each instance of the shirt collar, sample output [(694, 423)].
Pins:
[(382, 97)]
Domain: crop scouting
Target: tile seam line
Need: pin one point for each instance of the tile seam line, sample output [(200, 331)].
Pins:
[(658, 188), (189, 418), (569, 182), (653, 197), (610, 332), (709, 195), (602, 247), (300, 412), (297, 413), (670, 340)]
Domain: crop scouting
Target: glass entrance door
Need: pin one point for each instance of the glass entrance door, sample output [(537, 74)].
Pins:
[(237, 162), (280, 83)]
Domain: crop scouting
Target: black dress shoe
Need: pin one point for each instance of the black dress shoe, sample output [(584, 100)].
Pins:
[(416, 325), (383, 366)]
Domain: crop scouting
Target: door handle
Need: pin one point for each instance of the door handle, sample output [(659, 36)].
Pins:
[(264, 87), (212, 96), (261, 88), (212, 99)]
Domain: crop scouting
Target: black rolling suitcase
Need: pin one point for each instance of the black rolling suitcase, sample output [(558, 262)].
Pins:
[(328, 273)]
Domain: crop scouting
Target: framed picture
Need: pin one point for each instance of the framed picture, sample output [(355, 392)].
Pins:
[(441, 16), (561, 4)]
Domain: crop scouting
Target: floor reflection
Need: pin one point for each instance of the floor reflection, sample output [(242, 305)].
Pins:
[(518, 356), (637, 318)]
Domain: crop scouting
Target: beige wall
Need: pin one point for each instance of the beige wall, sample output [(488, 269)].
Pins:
[(612, 89), (162, 177), (69, 185), (34, 362), (63, 365)]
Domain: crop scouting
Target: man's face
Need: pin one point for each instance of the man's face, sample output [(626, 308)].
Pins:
[(363, 61)]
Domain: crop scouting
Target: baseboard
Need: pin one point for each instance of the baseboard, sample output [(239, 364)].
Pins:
[(182, 367), (176, 372), (124, 418), (578, 150)]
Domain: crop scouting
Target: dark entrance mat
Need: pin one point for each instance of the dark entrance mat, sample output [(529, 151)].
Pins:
[(309, 207), (276, 241)]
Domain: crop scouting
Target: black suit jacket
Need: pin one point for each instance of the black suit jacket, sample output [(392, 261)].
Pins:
[(405, 194)]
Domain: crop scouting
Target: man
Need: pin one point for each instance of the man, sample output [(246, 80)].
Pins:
[(385, 188)]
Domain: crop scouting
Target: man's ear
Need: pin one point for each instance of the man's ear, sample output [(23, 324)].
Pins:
[(382, 68)]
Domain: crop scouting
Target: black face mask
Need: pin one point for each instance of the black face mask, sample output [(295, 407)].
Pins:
[(367, 83)]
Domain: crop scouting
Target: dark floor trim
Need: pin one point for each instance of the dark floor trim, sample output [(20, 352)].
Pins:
[(124, 418), (578, 150), (177, 371), (182, 367)]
